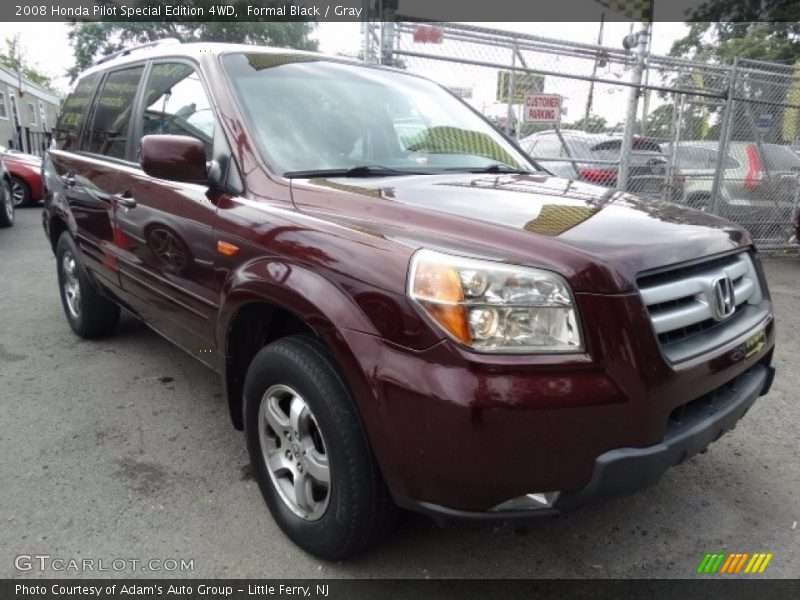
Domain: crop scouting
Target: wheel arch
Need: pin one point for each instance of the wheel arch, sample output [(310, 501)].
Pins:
[(270, 299)]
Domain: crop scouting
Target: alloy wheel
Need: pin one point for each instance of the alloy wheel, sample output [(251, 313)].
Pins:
[(8, 204), (71, 284), (294, 452), (17, 193)]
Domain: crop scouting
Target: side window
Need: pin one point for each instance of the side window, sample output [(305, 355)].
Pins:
[(548, 148), (73, 112), (108, 134), (176, 104)]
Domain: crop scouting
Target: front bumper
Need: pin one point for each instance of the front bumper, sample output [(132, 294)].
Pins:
[(453, 429), (625, 470)]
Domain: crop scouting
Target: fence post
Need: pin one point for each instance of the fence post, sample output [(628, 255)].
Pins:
[(512, 87), (676, 125), (724, 137), (633, 104)]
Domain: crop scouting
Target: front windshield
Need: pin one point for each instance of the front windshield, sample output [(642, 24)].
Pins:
[(309, 114)]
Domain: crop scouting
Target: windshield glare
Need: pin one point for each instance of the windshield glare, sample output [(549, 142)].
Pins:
[(309, 114)]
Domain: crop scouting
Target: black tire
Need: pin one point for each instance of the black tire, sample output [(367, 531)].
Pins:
[(96, 316), (6, 205), (359, 508), (21, 192)]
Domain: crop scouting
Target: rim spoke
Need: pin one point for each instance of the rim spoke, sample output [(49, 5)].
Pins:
[(302, 492), (318, 466), (275, 417), (298, 413)]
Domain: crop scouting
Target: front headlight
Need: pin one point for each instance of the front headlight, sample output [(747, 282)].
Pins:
[(493, 307)]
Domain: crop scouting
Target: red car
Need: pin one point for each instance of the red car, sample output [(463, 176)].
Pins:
[(26, 177)]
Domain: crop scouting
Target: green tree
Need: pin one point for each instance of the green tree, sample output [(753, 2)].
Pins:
[(694, 123), (11, 57), (764, 30), (92, 40), (594, 124)]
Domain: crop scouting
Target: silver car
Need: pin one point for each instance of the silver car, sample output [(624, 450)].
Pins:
[(759, 187)]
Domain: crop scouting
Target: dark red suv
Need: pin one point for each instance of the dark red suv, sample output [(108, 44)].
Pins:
[(405, 310)]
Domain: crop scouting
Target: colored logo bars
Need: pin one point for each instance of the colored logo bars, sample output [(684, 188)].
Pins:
[(734, 563)]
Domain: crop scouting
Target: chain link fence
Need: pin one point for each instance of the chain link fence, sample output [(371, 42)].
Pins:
[(722, 139)]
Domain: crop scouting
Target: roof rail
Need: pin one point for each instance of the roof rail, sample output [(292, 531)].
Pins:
[(124, 51)]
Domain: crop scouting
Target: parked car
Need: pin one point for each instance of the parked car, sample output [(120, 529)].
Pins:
[(430, 322), (759, 187), (6, 200), (594, 157), (26, 176)]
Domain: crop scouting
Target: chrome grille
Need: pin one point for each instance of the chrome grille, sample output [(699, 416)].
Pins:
[(681, 303)]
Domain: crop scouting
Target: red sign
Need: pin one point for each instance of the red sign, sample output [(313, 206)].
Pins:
[(427, 34), (542, 108)]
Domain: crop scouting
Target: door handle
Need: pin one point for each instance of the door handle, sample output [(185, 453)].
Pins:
[(68, 179), (125, 200)]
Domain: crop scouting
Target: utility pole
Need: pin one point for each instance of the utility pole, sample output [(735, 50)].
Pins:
[(367, 31), (633, 101), (590, 99), (386, 14)]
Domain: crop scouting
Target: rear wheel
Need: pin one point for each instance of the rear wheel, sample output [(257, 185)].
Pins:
[(89, 313), (6, 205), (20, 192), (309, 451)]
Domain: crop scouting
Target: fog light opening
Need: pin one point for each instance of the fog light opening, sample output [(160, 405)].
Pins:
[(534, 501)]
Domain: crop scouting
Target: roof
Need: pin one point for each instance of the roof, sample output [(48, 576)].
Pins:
[(12, 78), (196, 50)]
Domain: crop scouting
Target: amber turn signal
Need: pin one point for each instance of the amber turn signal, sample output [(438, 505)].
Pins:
[(227, 249), (438, 289)]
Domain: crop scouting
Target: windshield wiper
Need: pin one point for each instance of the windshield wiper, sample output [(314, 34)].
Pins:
[(493, 168), (359, 171)]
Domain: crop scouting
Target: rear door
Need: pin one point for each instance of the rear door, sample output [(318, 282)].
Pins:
[(167, 246), (88, 159)]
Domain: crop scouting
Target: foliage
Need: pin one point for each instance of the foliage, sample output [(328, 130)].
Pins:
[(694, 123), (91, 40), (11, 58), (765, 30)]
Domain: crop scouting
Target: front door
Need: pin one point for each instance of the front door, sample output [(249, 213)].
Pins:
[(167, 246)]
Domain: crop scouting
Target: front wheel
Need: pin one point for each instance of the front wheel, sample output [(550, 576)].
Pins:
[(6, 205), (309, 452), (20, 192)]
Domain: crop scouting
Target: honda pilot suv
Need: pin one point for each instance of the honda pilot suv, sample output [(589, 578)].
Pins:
[(402, 317)]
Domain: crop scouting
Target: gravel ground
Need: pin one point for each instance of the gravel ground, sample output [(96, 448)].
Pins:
[(123, 448)]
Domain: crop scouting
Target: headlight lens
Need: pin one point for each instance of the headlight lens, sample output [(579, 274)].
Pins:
[(493, 307)]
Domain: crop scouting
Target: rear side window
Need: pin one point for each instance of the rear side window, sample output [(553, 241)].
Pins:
[(643, 152), (176, 103), (691, 157), (780, 158), (73, 112), (108, 133)]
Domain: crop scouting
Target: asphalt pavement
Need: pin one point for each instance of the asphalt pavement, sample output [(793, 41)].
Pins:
[(122, 449)]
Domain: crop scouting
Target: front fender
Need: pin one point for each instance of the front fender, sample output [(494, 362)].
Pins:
[(291, 286), (311, 298)]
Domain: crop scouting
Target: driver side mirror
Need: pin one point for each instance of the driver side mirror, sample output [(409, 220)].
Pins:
[(174, 157)]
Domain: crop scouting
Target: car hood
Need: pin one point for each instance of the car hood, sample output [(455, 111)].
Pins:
[(570, 226)]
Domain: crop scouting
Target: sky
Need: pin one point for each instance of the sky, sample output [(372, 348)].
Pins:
[(46, 46)]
